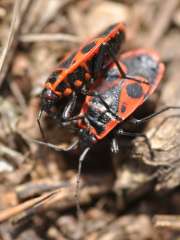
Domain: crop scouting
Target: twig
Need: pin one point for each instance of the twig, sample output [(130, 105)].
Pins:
[(11, 43), (62, 199), (18, 94), (171, 222), (11, 34), (13, 154), (39, 205), (49, 37), (32, 189), (11, 212)]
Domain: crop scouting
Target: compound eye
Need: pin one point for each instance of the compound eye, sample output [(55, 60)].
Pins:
[(48, 94)]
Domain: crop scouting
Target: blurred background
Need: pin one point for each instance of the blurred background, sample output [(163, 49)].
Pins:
[(127, 196)]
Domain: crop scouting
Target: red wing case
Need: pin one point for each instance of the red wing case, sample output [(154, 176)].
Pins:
[(122, 96)]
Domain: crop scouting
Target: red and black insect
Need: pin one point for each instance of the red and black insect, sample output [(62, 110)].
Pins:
[(79, 69), (114, 99)]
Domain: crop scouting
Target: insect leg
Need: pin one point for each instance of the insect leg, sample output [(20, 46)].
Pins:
[(73, 146), (75, 118), (114, 145), (132, 134), (67, 113), (39, 125), (123, 74), (143, 120), (81, 159)]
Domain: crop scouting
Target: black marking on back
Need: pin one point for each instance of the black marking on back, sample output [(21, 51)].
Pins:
[(116, 42), (62, 86), (78, 74), (106, 31), (134, 90), (53, 77), (102, 59), (123, 108), (67, 62), (88, 47), (143, 65), (90, 64)]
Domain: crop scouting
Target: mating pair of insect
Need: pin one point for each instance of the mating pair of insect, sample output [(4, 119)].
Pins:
[(111, 85)]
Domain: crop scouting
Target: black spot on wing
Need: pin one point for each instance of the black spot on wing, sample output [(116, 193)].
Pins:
[(67, 62), (134, 90), (106, 31), (53, 77), (123, 108), (88, 47), (79, 74)]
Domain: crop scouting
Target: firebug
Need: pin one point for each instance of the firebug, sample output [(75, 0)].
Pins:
[(79, 69), (113, 99)]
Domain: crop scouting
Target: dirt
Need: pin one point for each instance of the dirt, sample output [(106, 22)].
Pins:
[(127, 196)]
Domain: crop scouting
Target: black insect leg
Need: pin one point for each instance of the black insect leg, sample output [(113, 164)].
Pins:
[(132, 134), (115, 157), (53, 115), (123, 74), (73, 146), (108, 47), (100, 59), (114, 146), (143, 120), (67, 113), (39, 125), (81, 159), (75, 118)]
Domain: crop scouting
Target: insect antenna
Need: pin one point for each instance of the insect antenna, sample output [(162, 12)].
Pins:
[(40, 127), (55, 147)]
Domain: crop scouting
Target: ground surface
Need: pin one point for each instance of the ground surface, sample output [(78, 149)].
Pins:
[(124, 197)]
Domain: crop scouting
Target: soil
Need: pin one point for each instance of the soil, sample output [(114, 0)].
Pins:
[(127, 196)]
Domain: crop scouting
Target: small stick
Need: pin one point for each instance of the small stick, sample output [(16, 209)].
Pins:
[(12, 41), (41, 37), (11, 212), (61, 198), (171, 222)]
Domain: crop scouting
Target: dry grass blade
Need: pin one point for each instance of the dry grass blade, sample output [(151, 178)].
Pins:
[(119, 193), (24, 208), (15, 19), (61, 198), (17, 157), (12, 40), (49, 37), (171, 222)]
